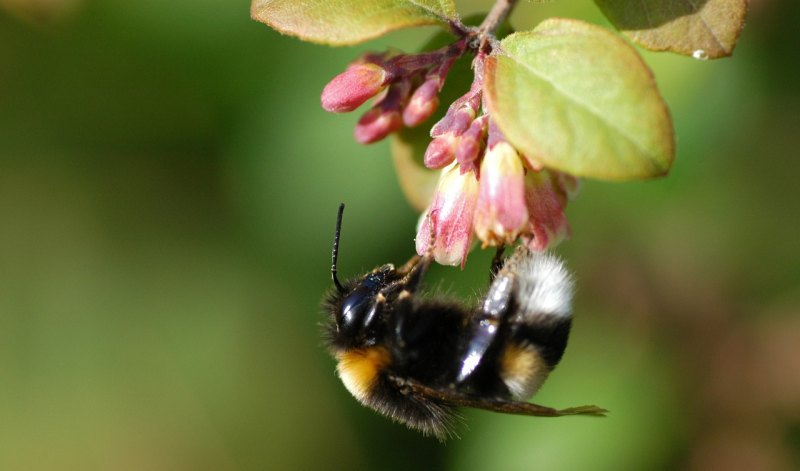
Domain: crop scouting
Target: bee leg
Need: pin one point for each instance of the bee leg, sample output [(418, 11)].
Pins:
[(406, 323), (409, 265), (416, 273), (413, 272), (497, 262), (375, 311), (413, 280), (498, 305)]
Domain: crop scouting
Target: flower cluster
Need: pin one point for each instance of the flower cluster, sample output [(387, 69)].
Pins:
[(406, 87), (486, 187), (507, 198)]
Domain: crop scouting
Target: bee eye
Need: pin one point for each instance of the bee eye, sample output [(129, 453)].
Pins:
[(357, 305), (354, 308)]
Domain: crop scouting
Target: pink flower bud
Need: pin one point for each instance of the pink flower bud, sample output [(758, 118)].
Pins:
[(384, 118), (377, 124), (501, 212), (441, 151), (423, 103), (548, 225), (451, 214), (456, 121), (350, 89), (470, 145)]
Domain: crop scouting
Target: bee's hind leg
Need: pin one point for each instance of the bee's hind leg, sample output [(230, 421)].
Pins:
[(497, 262)]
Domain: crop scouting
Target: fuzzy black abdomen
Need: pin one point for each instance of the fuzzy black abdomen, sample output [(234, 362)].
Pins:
[(427, 343)]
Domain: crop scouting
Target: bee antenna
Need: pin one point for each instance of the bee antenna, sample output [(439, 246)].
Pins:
[(335, 254)]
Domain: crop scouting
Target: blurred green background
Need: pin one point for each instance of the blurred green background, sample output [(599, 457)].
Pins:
[(168, 188)]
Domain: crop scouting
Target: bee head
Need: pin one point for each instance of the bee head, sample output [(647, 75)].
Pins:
[(355, 307)]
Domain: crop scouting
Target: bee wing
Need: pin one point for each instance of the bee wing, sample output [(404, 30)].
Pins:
[(457, 398)]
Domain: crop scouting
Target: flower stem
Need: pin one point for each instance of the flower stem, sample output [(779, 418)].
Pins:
[(496, 16)]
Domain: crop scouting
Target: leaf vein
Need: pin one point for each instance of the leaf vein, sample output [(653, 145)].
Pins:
[(707, 26)]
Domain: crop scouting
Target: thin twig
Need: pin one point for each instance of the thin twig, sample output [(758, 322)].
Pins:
[(497, 15)]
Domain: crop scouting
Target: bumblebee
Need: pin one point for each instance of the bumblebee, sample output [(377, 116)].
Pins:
[(417, 359)]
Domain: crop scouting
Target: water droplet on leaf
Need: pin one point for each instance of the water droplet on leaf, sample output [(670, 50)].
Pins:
[(700, 54)]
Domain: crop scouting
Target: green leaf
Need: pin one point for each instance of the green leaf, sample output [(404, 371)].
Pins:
[(580, 99), (699, 28), (342, 22)]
